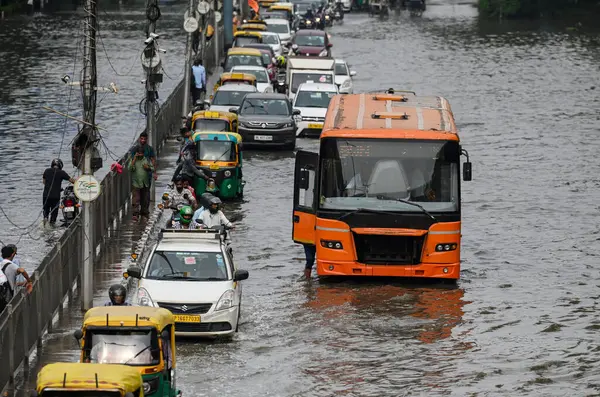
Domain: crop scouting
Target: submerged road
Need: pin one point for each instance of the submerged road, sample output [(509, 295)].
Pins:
[(524, 319)]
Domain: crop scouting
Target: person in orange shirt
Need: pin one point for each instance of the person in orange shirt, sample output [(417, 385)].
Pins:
[(236, 22)]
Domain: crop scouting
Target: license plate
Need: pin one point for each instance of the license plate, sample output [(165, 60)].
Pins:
[(315, 125), (263, 138), (186, 318), (214, 166), (69, 209)]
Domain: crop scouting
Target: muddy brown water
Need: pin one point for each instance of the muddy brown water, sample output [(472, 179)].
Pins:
[(523, 319)]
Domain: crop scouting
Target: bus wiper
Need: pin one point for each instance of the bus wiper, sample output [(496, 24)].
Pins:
[(364, 210), (409, 203)]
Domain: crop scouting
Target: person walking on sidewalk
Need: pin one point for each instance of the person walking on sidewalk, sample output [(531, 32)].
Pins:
[(199, 80), (149, 152), (141, 169)]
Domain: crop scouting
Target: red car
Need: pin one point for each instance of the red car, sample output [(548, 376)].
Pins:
[(311, 42)]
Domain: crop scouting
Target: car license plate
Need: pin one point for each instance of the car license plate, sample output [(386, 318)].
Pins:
[(263, 138), (214, 166), (186, 318), (315, 125), (69, 209)]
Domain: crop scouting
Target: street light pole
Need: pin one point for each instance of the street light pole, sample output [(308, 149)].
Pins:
[(188, 62)]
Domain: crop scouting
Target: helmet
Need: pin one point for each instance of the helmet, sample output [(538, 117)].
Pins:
[(115, 291), (186, 213), (57, 163), (215, 203)]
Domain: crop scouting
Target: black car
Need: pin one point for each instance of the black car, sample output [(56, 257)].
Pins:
[(267, 120)]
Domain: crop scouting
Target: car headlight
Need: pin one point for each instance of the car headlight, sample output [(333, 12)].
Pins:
[(288, 125), (144, 298), (226, 301), (346, 84), (323, 53), (227, 173), (445, 247), (318, 19)]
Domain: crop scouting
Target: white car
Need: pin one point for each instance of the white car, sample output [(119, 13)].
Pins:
[(262, 76), (272, 39), (343, 77), (312, 99), (192, 274), (281, 27), (230, 96)]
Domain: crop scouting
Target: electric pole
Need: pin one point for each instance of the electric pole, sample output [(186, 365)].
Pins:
[(190, 25), (151, 63), (228, 22), (216, 19)]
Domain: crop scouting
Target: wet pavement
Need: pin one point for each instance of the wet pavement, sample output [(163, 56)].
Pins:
[(524, 318)]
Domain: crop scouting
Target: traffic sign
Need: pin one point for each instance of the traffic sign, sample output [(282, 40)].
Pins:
[(190, 25), (203, 7), (86, 188), (196, 15), (217, 16)]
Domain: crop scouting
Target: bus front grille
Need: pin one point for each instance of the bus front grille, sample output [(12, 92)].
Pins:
[(388, 250)]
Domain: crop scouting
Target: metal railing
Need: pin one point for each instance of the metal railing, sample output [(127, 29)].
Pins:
[(28, 316)]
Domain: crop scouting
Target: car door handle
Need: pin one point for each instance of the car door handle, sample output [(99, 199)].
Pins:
[(296, 219)]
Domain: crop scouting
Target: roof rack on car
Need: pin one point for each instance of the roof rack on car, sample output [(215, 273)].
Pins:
[(191, 234)]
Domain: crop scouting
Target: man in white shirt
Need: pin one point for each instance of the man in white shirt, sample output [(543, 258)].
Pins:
[(214, 217), (11, 271)]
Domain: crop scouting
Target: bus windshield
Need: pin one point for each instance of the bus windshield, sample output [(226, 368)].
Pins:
[(380, 174)]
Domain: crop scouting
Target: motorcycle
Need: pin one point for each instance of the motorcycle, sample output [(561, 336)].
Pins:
[(306, 23), (338, 13), (329, 16), (69, 205)]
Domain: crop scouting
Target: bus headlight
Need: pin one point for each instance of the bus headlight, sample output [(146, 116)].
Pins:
[(332, 244), (445, 247)]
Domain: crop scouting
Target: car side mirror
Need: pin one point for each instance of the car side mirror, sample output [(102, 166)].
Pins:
[(352, 73), (233, 110), (240, 275), (303, 182), (329, 45), (134, 271), (296, 112), (78, 334), (467, 171)]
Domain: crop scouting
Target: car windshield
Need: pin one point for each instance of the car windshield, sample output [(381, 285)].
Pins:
[(260, 74), (216, 150), (299, 78), (273, 107), (188, 266), (312, 40), (243, 60), (279, 28), (243, 40), (341, 69), (122, 347), (381, 173), (211, 125), (303, 7), (313, 99), (271, 39), (232, 98)]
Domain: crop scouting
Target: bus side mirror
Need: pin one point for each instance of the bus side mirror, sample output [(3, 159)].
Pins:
[(303, 182), (134, 272), (78, 334), (467, 171)]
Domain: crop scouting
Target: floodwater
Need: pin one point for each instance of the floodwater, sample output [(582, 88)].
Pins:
[(523, 319)]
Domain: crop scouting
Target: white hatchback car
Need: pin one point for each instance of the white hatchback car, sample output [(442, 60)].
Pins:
[(262, 76), (281, 27), (192, 274), (272, 39), (343, 77), (312, 100), (230, 96)]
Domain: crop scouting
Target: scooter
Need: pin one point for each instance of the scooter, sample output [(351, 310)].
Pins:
[(69, 205)]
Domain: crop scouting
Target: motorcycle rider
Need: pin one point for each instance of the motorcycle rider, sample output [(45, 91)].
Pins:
[(280, 61), (52, 180), (179, 195), (214, 217), (186, 220), (187, 165), (117, 294)]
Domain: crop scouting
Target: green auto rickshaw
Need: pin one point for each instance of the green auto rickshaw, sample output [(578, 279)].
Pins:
[(219, 155)]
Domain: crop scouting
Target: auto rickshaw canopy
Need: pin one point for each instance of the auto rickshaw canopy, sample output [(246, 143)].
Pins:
[(217, 136), (128, 316), (253, 27), (79, 376)]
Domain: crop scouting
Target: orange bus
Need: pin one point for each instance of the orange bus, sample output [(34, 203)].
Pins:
[(382, 196)]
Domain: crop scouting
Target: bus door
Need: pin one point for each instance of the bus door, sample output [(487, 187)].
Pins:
[(305, 200)]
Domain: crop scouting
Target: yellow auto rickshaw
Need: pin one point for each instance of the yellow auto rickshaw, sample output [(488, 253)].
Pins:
[(140, 336), (253, 27), (243, 37), (235, 78), (263, 5), (210, 120), (68, 379), (242, 57), (289, 9)]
